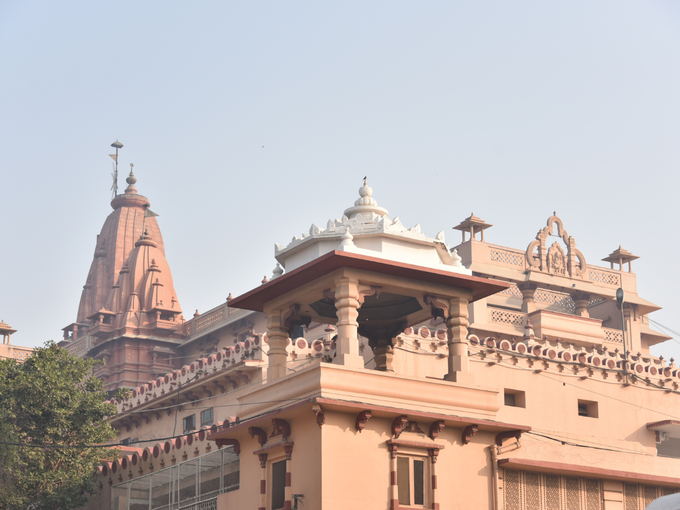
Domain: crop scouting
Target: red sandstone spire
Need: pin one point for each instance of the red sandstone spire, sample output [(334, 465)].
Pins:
[(129, 314), (115, 242)]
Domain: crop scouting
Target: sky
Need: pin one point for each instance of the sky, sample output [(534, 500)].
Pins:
[(249, 121)]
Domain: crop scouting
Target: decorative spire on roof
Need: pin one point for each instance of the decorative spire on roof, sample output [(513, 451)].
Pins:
[(6, 332), (620, 257), (473, 225), (365, 204), (131, 180)]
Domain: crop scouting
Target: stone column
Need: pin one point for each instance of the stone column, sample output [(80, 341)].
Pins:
[(288, 490), (263, 481), (581, 301), (278, 340), (394, 487), (433, 453), (528, 290), (347, 306), (456, 324)]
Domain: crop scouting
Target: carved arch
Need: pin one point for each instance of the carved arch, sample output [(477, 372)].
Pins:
[(553, 260)]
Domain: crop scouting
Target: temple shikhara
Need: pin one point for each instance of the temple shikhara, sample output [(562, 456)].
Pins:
[(379, 368)]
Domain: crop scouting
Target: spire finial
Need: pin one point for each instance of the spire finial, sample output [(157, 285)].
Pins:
[(365, 181), (131, 178)]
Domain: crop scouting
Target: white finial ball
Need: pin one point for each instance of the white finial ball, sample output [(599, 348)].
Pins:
[(365, 191)]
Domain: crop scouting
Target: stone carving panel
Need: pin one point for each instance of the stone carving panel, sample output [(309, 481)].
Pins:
[(554, 260)]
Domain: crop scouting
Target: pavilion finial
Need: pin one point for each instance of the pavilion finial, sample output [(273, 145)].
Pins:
[(365, 204)]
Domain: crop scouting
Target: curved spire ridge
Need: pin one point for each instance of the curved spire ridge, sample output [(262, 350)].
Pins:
[(144, 287), (365, 204)]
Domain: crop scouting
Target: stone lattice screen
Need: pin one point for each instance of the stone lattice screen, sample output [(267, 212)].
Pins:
[(525, 490)]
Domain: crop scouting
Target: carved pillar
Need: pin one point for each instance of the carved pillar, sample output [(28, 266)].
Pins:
[(581, 301), (528, 290), (456, 324), (278, 340), (347, 305)]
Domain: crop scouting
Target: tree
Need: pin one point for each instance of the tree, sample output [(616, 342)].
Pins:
[(54, 409)]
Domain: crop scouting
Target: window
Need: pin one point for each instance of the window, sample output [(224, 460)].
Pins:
[(189, 423), (514, 398), (587, 408), (278, 484), (207, 417), (411, 481)]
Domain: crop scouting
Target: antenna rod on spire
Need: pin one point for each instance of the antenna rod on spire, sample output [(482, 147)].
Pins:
[(114, 187)]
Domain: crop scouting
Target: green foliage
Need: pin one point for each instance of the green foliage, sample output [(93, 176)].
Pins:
[(122, 393), (51, 400)]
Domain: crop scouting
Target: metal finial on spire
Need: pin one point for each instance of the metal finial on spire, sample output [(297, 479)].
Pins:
[(131, 178), (114, 187), (365, 181)]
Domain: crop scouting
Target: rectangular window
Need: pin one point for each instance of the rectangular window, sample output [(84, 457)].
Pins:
[(587, 408), (278, 484), (206, 417), (411, 481), (189, 423), (514, 398)]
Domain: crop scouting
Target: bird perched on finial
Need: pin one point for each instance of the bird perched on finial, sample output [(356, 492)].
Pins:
[(364, 181)]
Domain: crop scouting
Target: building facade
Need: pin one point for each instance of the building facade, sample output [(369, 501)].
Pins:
[(382, 369)]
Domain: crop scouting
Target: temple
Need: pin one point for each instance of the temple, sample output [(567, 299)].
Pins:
[(380, 368), (129, 315)]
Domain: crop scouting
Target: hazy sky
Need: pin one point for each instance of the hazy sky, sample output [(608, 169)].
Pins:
[(249, 121)]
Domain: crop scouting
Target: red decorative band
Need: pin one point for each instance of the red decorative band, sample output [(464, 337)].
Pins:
[(288, 480), (263, 486)]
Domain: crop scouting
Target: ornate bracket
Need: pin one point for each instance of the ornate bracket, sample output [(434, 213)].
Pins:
[(469, 433), (501, 436), (362, 420), (292, 311), (433, 453), (439, 307), (365, 291), (398, 425), (320, 417), (280, 427), (262, 457), (435, 428), (293, 318), (261, 434), (229, 442), (288, 448)]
